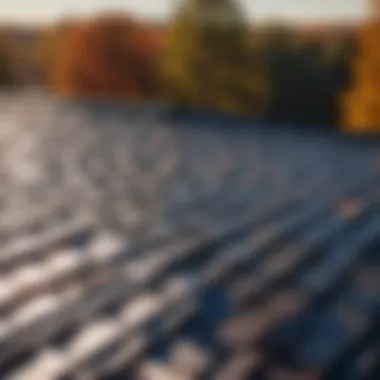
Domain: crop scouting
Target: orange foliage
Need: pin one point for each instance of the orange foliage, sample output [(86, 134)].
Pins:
[(361, 104), (109, 56)]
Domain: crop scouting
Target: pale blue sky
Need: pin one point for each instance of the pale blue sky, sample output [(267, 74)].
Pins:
[(293, 10)]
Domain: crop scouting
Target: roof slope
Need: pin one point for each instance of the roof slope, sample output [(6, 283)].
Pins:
[(134, 248)]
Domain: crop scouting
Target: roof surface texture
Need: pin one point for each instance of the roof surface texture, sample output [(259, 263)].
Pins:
[(132, 247)]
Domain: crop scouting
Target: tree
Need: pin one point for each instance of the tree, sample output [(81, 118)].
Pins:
[(337, 56), (361, 103), (300, 84), (207, 62), (6, 65), (109, 56), (49, 46)]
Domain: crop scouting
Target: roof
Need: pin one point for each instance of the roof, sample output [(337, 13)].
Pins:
[(133, 247)]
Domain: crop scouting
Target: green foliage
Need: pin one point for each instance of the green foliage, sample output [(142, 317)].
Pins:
[(302, 81), (207, 62)]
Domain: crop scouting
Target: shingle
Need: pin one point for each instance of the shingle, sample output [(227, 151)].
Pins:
[(159, 371), (8, 289), (252, 250), (325, 343), (298, 253), (189, 358), (130, 332), (354, 319), (31, 248), (350, 208), (34, 310), (281, 373), (48, 365), (135, 344), (141, 308), (52, 320), (341, 259), (368, 361), (242, 366), (229, 254), (368, 279), (224, 261), (93, 338), (251, 326), (106, 246), (359, 300), (5, 328)]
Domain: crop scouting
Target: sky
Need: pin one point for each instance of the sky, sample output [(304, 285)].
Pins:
[(298, 11)]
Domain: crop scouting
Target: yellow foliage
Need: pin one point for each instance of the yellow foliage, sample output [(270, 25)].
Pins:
[(361, 105), (50, 45)]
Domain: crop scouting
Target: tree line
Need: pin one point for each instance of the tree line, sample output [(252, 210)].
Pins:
[(209, 57)]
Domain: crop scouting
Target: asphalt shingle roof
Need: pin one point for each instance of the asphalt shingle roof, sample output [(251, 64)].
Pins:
[(133, 247)]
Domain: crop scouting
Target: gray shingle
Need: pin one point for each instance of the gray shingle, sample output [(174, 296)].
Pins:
[(145, 248)]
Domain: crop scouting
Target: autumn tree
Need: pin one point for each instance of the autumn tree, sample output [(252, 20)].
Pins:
[(207, 62), (49, 46), (361, 104), (109, 56)]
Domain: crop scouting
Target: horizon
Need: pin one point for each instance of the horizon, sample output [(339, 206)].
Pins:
[(259, 11)]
